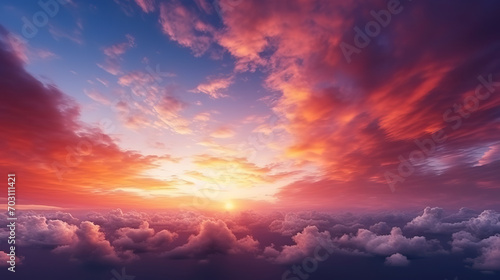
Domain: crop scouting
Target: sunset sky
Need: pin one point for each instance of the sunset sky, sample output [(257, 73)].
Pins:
[(127, 103), (236, 105)]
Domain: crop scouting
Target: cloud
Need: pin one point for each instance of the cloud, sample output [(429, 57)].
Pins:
[(232, 171), (75, 35), (204, 5), (97, 96), (54, 149), (117, 237), (380, 228), (184, 27), (113, 54), (490, 255), (179, 222), (491, 155), (147, 6), (214, 237), (223, 132), (111, 65), (120, 48), (168, 109), (92, 247), (4, 258), (151, 104), (37, 230), (62, 216), (116, 219), (45, 54), (397, 260), (487, 250), (386, 245), (214, 86), (21, 49), (142, 239), (306, 242), (202, 117), (345, 118), (486, 224), (296, 222), (14, 44), (433, 220)]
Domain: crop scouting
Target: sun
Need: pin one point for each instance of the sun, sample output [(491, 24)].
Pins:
[(228, 206)]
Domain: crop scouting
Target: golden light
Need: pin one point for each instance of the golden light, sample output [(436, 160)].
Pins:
[(229, 206)]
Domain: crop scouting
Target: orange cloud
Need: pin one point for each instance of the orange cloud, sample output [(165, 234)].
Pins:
[(223, 132)]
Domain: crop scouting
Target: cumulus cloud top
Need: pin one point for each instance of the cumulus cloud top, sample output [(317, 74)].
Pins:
[(397, 260), (214, 237)]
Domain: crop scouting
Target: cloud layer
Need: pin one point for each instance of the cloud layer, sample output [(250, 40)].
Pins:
[(117, 237)]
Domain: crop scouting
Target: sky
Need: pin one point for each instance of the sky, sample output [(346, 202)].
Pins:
[(385, 110), (167, 103)]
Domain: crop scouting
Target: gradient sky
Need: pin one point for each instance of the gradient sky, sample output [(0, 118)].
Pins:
[(251, 104)]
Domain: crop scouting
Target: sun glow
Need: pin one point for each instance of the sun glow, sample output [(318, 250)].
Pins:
[(229, 206)]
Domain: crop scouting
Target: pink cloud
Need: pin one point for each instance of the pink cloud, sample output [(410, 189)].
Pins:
[(306, 242), (223, 132), (4, 258), (58, 33), (397, 260), (485, 224), (111, 65), (116, 219), (92, 246), (491, 155), (45, 54), (204, 5), (119, 49), (390, 244), (147, 6), (214, 237), (487, 250), (143, 238), (295, 222), (113, 53), (15, 44), (214, 86), (97, 96), (37, 230), (184, 27)]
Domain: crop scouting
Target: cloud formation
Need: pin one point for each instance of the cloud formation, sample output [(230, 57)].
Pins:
[(143, 239), (92, 247), (55, 151), (397, 260), (185, 27), (214, 86), (214, 237)]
